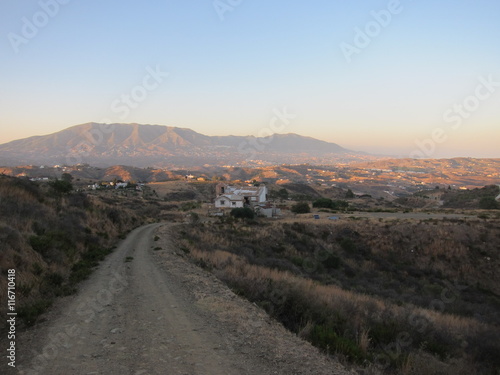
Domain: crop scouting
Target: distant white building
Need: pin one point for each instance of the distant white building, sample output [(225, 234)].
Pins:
[(498, 197), (231, 196), (229, 201)]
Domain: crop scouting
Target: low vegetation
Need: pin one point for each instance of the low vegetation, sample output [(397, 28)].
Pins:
[(54, 237), (410, 297), (478, 198), (389, 296), (301, 208), (331, 204), (242, 213)]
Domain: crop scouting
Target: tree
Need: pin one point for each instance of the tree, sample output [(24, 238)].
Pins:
[(283, 194), (323, 203), (61, 186), (340, 205), (301, 208), (242, 213), (488, 203), (328, 203), (67, 177), (349, 194)]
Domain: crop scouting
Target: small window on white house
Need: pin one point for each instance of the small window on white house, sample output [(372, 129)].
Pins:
[(222, 202), (233, 203)]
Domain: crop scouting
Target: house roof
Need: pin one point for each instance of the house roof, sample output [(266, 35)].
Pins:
[(244, 190), (231, 197)]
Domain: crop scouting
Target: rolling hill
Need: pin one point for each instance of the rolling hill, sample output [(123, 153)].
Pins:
[(163, 146)]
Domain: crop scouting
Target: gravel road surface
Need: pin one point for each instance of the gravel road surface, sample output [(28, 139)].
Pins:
[(148, 310)]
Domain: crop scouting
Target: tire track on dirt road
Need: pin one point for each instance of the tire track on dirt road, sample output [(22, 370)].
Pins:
[(135, 316)]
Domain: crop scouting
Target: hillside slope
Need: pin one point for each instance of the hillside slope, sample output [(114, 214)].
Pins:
[(53, 238)]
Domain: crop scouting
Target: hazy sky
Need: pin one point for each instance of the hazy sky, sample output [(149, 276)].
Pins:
[(376, 76)]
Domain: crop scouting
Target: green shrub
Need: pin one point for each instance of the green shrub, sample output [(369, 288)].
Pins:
[(53, 240), (37, 269), (298, 261), (190, 206), (55, 279), (328, 203), (194, 218), (40, 244), (347, 244), (61, 186), (436, 348), (283, 194), (301, 208), (29, 313), (325, 337), (332, 261), (323, 203), (242, 213), (298, 227), (385, 333), (82, 269), (489, 203), (349, 194), (79, 272)]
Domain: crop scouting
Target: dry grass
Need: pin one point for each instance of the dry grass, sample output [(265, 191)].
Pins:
[(43, 235), (358, 307), (421, 363), (364, 340), (360, 325)]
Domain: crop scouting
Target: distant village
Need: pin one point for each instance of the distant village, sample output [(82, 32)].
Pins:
[(118, 184), (388, 179)]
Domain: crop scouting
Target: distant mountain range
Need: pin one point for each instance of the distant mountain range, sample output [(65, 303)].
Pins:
[(164, 146)]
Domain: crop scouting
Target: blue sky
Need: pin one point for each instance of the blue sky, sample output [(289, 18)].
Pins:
[(229, 68)]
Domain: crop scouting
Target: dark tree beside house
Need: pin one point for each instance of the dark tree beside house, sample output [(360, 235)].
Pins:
[(301, 208), (242, 213), (283, 194)]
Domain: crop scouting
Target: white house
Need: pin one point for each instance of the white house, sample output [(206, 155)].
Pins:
[(498, 197), (229, 201), (231, 196), (121, 185)]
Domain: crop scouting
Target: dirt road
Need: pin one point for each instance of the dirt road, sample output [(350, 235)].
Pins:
[(150, 311)]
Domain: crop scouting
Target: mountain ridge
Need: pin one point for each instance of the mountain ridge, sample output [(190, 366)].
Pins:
[(159, 145)]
